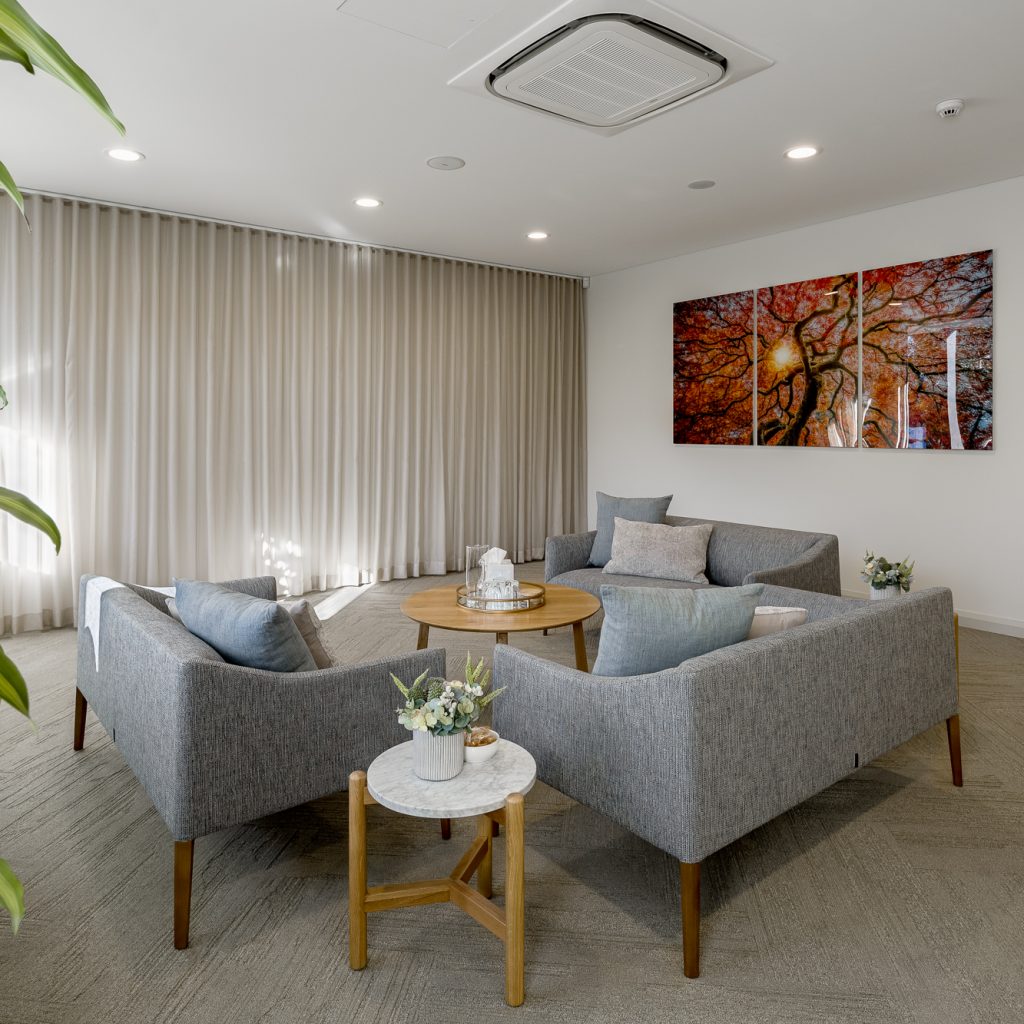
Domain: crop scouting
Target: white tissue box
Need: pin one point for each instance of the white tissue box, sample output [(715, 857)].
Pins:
[(497, 571)]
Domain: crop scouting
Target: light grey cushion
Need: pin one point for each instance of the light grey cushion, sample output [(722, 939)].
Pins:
[(637, 510), (648, 629), (308, 621), (661, 552), (771, 618), (244, 630)]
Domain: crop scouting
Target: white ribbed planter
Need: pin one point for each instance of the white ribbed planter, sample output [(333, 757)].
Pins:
[(883, 593), (438, 758)]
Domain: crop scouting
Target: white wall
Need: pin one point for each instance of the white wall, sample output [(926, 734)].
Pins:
[(959, 514)]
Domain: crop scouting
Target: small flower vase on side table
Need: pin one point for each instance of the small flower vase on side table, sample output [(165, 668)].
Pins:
[(882, 593), (437, 758)]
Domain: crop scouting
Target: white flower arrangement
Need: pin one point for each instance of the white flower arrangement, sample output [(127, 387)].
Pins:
[(881, 573), (443, 706)]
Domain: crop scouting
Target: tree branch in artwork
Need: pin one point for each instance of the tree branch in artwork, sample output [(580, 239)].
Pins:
[(927, 354), (807, 362), (713, 354)]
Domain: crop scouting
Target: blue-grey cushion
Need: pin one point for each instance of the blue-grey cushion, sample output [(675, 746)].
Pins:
[(648, 629), (638, 510), (243, 630)]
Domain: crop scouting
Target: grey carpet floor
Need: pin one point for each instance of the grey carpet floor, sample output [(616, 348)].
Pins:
[(891, 897)]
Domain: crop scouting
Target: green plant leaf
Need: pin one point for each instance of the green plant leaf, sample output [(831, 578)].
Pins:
[(13, 690), (28, 511), (10, 50), (12, 895), (7, 185), (20, 30)]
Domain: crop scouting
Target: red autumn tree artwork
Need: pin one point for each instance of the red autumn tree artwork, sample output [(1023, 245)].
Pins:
[(927, 354), (807, 363), (713, 348)]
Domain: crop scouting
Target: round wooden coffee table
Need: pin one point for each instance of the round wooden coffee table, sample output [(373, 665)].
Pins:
[(564, 606)]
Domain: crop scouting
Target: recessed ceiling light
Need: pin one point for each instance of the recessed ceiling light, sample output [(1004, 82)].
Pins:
[(701, 183), (537, 236), (446, 163), (801, 152), (128, 156), (368, 202)]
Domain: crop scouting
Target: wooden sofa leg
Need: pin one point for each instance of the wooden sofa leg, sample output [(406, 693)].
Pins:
[(953, 735), (81, 706), (689, 884), (183, 851)]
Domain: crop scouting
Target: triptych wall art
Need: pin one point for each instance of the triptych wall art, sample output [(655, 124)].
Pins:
[(898, 357)]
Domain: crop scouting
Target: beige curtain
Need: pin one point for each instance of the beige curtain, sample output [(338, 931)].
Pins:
[(198, 400)]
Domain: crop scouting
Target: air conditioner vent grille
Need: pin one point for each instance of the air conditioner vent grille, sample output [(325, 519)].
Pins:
[(606, 71)]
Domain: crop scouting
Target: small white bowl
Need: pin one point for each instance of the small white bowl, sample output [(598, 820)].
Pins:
[(477, 755)]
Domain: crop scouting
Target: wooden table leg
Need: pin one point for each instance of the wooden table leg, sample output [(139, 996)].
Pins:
[(579, 642), (515, 902), (423, 637), (446, 828), (357, 870), (483, 872), (501, 638)]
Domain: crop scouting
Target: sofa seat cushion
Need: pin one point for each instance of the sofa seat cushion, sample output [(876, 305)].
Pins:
[(592, 579), (244, 630), (647, 629)]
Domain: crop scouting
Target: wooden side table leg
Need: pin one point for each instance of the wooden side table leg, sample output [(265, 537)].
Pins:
[(357, 870), (580, 643), (501, 638), (483, 872), (515, 901), (446, 828), (422, 637)]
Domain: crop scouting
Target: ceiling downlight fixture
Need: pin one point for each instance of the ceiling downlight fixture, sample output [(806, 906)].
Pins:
[(801, 152), (368, 202), (536, 236), (126, 156)]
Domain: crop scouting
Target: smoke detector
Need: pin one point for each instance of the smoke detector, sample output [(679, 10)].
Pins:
[(949, 108), (605, 71)]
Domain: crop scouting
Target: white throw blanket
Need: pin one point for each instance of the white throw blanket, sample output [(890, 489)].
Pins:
[(94, 591)]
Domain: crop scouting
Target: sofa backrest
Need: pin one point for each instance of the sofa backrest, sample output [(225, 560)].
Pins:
[(735, 548)]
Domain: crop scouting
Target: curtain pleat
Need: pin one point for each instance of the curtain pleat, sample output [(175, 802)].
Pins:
[(200, 400)]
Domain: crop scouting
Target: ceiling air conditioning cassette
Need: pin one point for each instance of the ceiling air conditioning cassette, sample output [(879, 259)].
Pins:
[(607, 70)]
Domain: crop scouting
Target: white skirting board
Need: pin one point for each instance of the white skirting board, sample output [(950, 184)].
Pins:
[(973, 620)]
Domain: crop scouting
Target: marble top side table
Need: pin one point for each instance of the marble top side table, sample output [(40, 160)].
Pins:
[(493, 792)]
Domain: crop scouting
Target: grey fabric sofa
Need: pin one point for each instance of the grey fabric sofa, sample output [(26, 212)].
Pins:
[(737, 554), (694, 757), (215, 744)]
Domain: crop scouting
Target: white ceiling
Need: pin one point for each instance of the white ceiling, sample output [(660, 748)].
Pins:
[(280, 113)]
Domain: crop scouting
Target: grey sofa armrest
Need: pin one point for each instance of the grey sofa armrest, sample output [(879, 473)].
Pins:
[(694, 757), (217, 744), (817, 570), (568, 552)]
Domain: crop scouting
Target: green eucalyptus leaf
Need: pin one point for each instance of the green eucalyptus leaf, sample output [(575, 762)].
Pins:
[(12, 895), (22, 31), (25, 509), (13, 690), (7, 185)]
